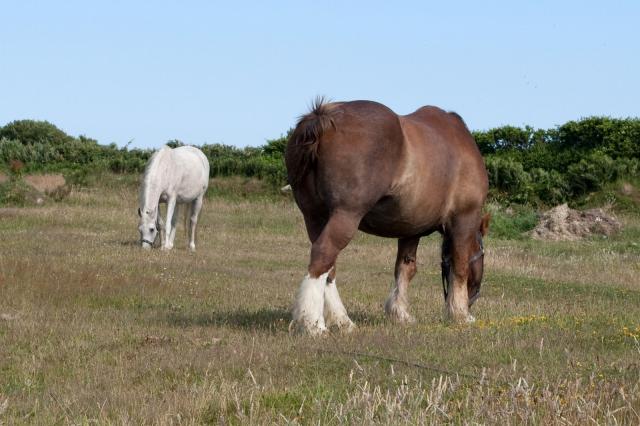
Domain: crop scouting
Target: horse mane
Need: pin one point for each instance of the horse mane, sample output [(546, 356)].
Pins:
[(460, 119), (302, 148), (151, 166)]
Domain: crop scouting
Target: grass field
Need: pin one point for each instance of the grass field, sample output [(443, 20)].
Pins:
[(94, 330)]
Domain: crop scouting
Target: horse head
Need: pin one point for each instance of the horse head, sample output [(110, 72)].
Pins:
[(148, 226), (476, 262)]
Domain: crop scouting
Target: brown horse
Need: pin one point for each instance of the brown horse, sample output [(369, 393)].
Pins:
[(358, 165)]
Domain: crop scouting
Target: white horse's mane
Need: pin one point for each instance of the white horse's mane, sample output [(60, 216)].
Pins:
[(149, 180)]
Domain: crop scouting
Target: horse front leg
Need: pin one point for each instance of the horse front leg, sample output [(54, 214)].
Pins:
[(335, 314), (160, 228), (397, 304), (318, 297), (171, 221), (457, 302)]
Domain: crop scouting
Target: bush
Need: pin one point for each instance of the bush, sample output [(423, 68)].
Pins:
[(508, 178), (30, 132), (550, 187), (59, 193), (511, 222), (591, 173), (16, 192), (525, 165)]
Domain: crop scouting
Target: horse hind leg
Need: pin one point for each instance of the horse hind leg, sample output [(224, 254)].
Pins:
[(397, 304), (193, 213), (174, 226), (308, 314)]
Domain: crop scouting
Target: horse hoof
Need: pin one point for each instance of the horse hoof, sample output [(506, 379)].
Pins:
[(460, 319), (301, 328), (350, 327), (399, 315), (344, 327), (402, 318)]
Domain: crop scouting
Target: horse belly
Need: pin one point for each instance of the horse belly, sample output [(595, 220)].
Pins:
[(187, 195), (393, 219)]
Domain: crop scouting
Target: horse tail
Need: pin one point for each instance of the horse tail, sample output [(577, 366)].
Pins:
[(302, 147)]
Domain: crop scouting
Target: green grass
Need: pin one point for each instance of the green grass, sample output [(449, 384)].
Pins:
[(94, 330)]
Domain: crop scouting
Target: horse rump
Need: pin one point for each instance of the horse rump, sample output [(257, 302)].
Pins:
[(302, 146)]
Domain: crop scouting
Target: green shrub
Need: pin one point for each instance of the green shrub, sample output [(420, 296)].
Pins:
[(508, 178), (77, 177), (16, 192), (550, 187), (591, 173), (31, 132), (525, 165), (511, 222), (59, 193)]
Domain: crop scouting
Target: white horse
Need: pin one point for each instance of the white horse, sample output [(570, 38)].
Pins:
[(179, 175)]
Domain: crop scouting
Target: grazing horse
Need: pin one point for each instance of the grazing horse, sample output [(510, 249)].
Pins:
[(358, 165), (173, 176)]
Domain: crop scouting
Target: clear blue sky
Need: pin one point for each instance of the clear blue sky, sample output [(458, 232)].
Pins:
[(240, 73)]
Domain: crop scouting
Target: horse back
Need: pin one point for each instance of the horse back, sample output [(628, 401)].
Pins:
[(188, 172), (445, 155)]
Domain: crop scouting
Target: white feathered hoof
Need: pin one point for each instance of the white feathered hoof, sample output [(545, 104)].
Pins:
[(342, 325), (458, 316), (398, 313), (346, 327), (302, 328), (308, 308), (335, 314), (396, 309)]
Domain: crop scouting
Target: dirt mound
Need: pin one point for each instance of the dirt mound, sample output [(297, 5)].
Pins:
[(563, 223), (46, 183), (33, 189)]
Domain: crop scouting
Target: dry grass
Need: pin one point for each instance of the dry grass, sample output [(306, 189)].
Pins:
[(94, 330)]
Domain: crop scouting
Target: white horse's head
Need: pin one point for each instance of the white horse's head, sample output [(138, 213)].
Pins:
[(148, 226)]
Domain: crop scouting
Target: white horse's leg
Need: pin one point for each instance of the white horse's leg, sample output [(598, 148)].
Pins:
[(335, 313), (171, 221), (193, 221), (160, 227), (174, 224), (308, 315), (397, 305)]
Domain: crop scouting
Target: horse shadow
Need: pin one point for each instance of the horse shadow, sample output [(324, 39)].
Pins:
[(263, 319)]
